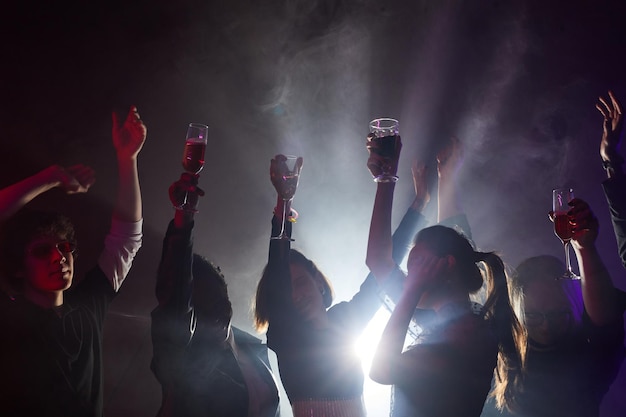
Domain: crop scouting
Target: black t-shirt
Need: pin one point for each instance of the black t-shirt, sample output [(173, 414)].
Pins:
[(51, 359)]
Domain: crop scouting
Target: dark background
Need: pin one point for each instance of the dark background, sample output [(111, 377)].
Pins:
[(516, 81)]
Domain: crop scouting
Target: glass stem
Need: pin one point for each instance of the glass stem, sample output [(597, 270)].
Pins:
[(568, 265), (284, 219)]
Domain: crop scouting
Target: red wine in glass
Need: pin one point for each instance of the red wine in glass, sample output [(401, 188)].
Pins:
[(562, 228), (193, 156)]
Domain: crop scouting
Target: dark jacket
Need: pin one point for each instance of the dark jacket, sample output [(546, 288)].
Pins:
[(198, 376)]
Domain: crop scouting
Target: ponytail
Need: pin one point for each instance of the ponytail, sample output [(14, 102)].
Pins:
[(512, 341)]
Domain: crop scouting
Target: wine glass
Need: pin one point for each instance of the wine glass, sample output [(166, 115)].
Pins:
[(562, 228), (195, 146), (383, 132), (290, 180)]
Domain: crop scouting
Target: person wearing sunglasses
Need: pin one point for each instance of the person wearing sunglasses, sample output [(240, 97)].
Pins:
[(575, 331), (51, 325)]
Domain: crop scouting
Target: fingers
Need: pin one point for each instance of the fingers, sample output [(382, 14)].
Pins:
[(185, 191), (298, 166), (612, 109), (603, 111), (115, 121), (616, 104), (84, 174), (582, 220), (605, 105)]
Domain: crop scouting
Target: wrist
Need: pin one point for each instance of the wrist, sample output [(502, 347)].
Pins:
[(386, 179), (613, 167)]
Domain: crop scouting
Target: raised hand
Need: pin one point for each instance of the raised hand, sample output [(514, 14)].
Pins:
[(185, 192), (450, 158), (81, 179), (73, 180), (425, 269), (285, 181), (129, 136), (611, 110), (420, 184)]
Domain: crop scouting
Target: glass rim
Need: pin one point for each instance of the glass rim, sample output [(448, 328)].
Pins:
[(391, 121), (198, 125)]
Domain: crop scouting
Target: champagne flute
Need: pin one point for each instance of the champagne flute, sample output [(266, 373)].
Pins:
[(195, 146), (290, 180), (562, 228)]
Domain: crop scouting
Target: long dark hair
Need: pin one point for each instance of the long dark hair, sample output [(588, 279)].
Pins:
[(497, 308), (544, 268)]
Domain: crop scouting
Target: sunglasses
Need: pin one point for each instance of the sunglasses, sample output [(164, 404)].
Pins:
[(43, 250), (555, 317)]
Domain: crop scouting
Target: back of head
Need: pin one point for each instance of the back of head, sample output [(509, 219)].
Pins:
[(444, 241), (210, 292), (21, 229)]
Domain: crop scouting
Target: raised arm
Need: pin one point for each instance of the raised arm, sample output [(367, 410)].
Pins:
[(413, 220), (612, 161), (124, 238), (128, 139), (449, 162), (172, 321), (611, 111), (72, 180), (380, 247), (597, 288), (273, 304), (388, 364)]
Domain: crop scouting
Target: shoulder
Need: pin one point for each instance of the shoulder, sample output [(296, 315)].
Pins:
[(245, 338)]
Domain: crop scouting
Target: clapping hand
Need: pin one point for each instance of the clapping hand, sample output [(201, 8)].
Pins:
[(450, 158), (420, 184)]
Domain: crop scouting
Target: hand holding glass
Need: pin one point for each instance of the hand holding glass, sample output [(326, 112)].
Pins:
[(383, 132), (195, 146), (286, 182), (562, 228)]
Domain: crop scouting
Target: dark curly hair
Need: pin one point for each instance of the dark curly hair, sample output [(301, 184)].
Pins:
[(20, 230)]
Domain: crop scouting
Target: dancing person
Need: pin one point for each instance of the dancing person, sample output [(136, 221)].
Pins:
[(575, 330), (449, 212), (448, 371), (612, 161), (52, 324), (206, 366), (314, 341)]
